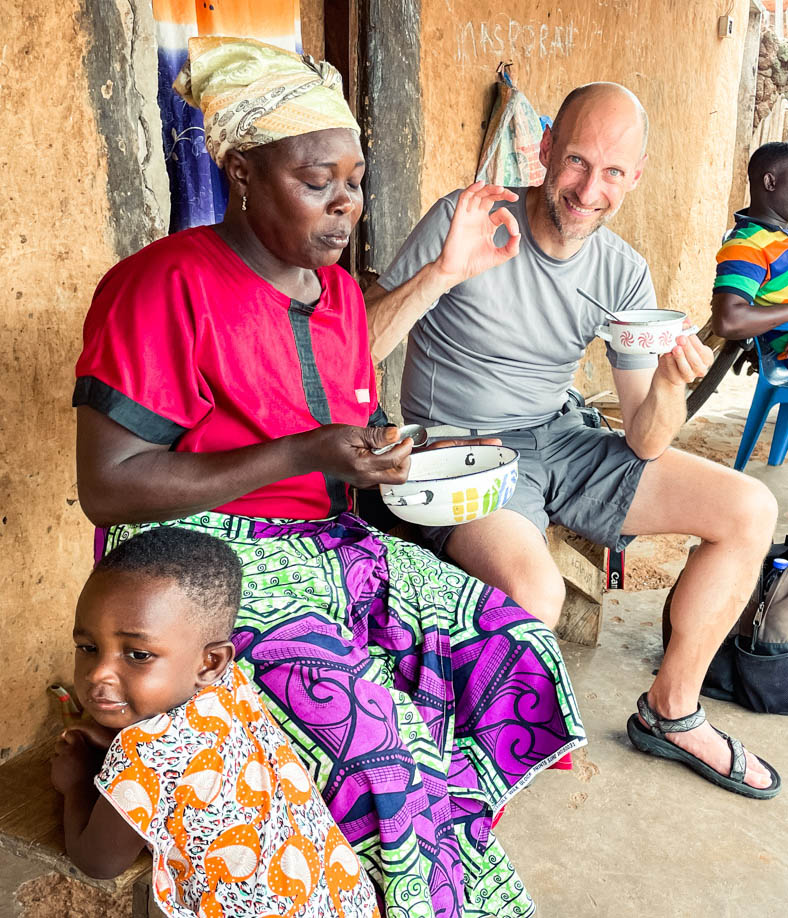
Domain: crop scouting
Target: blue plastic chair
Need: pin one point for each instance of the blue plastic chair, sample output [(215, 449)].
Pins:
[(772, 389)]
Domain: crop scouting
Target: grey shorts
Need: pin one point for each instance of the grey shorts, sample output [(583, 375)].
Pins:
[(577, 476)]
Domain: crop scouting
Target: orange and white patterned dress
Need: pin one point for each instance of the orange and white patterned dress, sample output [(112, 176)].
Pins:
[(234, 822)]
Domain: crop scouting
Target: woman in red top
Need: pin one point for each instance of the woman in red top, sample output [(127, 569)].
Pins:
[(226, 386)]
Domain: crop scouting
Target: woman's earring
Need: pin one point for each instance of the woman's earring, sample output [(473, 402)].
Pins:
[(243, 203)]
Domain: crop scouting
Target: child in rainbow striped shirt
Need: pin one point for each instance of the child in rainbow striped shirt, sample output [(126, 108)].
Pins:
[(752, 265)]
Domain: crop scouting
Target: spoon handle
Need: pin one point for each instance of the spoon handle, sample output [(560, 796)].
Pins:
[(415, 431), (597, 303)]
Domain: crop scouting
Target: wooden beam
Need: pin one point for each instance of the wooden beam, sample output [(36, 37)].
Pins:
[(576, 569), (389, 109), (581, 615), (337, 41), (581, 619), (390, 115)]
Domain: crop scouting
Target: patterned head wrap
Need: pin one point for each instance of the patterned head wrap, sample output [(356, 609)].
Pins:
[(252, 93)]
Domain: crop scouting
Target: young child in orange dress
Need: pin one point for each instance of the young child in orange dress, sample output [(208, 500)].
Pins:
[(195, 767)]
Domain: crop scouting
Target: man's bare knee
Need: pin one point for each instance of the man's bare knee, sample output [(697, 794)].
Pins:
[(543, 597), (752, 515), (550, 612), (509, 552)]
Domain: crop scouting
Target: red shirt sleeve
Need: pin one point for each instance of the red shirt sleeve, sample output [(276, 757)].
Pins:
[(140, 338)]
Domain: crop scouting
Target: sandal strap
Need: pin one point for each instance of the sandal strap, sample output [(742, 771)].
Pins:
[(659, 726), (738, 760), (738, 757)]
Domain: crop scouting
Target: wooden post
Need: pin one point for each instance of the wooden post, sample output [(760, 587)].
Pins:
[(779, 19), (389, 112), (739, 195)]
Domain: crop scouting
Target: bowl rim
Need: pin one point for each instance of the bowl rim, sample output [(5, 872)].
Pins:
[(677, 314), (515, 458)]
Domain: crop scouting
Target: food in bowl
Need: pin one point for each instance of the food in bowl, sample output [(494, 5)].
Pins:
[(455, 484)]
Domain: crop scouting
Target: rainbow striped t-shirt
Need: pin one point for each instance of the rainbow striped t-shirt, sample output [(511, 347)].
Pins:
[(753, 264)]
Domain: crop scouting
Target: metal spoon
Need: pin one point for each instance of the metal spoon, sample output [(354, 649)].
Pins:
[(416, 432), (597, 303)]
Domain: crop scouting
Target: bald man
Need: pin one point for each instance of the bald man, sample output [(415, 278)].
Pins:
[(488, 284)]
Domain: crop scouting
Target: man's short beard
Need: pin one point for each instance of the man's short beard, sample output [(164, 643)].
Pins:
[(555, 216)]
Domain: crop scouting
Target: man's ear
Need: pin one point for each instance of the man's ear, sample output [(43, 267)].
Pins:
[(545, 147), (638, 171), (769, 181), (236, 168), (216, 657)]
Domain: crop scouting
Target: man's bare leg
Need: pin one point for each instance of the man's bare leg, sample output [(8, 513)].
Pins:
[(509, 552), (735, 517)]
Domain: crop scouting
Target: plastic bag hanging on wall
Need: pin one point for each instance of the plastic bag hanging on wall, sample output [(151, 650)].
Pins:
[(510, 153)]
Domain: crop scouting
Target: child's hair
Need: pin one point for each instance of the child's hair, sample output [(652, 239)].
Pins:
[(206, 569)]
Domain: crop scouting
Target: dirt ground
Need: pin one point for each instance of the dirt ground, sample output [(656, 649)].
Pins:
[(54, 895)]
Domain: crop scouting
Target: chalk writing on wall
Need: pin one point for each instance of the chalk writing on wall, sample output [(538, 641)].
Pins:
[(507, 38)]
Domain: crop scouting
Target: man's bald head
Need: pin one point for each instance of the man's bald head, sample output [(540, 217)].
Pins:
[(584, 99), (594, 156)]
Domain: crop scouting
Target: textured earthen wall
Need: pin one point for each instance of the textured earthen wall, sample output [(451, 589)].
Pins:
[(63, 224), (84, 185), (55, 244), (667, 52)]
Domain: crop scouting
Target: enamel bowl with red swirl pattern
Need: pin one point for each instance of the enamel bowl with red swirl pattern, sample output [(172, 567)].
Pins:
[(645, 331)]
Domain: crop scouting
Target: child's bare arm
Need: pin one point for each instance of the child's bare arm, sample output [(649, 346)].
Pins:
[(98, 840), (104, 844)]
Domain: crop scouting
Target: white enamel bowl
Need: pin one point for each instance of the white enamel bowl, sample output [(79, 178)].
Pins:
[(454, 485), (645, 331)]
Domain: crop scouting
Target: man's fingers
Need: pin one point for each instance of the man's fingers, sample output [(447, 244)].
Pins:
[(373, 438), (504, 217), (683, 367), (396, 473), (701, 352), (507, 195), (669, 369), (480, 196), (694, 354), (511, 248), (491, 195), (696, 361), (468, 195), (442, 444)]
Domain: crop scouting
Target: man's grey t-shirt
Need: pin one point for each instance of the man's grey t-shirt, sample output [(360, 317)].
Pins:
[(499, 351)]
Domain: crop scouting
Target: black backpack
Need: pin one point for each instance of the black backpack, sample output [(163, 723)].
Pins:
[(751, 665)]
